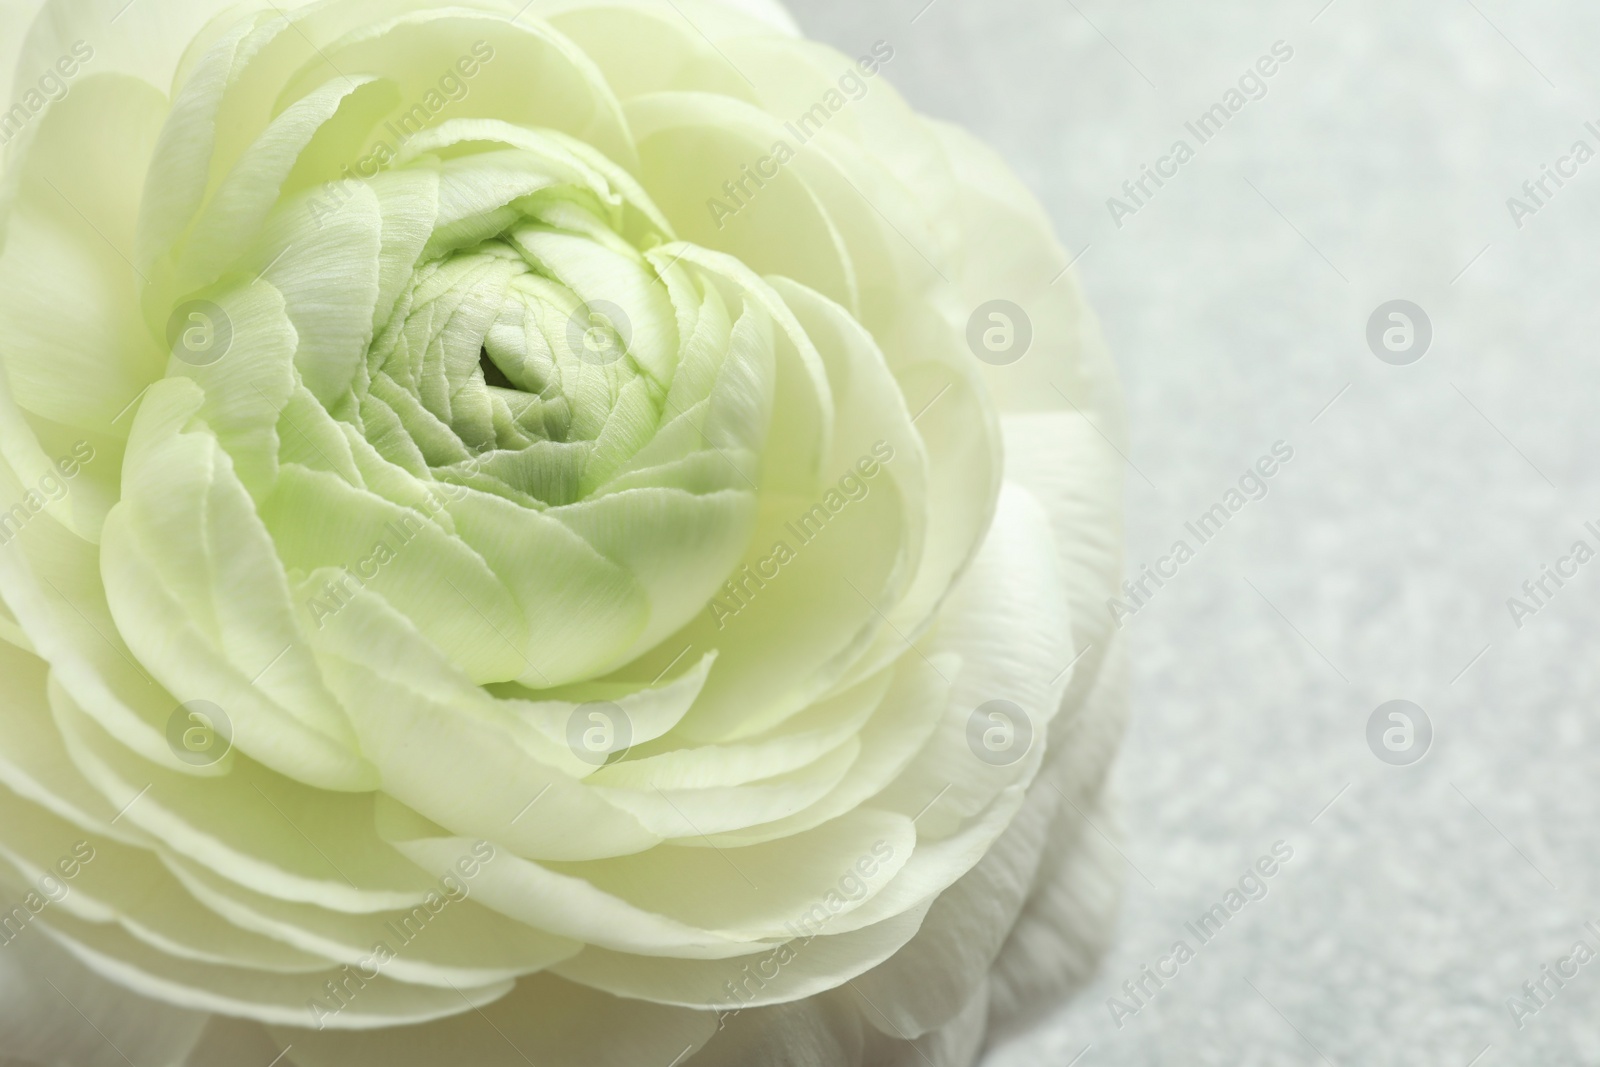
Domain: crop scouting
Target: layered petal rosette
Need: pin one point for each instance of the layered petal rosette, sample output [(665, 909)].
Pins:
[(568, 534)]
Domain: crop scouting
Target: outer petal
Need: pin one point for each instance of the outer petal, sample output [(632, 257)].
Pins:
[(546, 1021), (55, 1011)]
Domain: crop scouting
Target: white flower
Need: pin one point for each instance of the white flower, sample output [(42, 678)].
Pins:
[(574, 536)]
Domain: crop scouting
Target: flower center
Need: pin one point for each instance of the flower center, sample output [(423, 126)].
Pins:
[(507, 368)]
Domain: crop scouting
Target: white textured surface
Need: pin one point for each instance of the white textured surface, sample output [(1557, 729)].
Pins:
[(1425, 896)]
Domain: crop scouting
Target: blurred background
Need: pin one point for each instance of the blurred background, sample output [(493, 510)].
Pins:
[(1431, 476)]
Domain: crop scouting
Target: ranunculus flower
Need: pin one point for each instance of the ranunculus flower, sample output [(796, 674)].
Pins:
[(573, 536)]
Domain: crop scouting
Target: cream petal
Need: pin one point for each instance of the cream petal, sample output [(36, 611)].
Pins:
[(284, 1000), (695, 147), (645, 47), (532, 893), (1062, 459), (546, 1021), (34, 763), (67, 259), (325, 528), (761, 892), (115, 883), (928, 981), (445, 749), (54, 1010), (51, 583), (810, 966), (652, 709), (695, 813), (957, 1042), (294, 830), (899, 729), (446, 940), (1009, 251), (1066, 925), (186, 151), (805, 738), (527, 73), (217, 626), (820, 1031), (11, 632), (244, 200), (771, 12), (14, 20), (80, 467), (1008, 624)]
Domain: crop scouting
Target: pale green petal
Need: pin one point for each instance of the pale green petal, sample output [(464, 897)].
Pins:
[(532, 893), (644, 48), (327, 271), (694, 812), (114, 883), (801, 740), (217, 625), (762, 891), (51, 581), (528, 74), (185, 153), (34, 762), (803, 425), (899, 728), (447, 939), (77, 471), (583, 610), (794, 621), (294, 830), (653, 708), (72, 337), (811, 967), (408, 204), (265, 997), (240, 206), (678, 546), (318, 521), (248, 388), (691, 144), (445, 749)]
